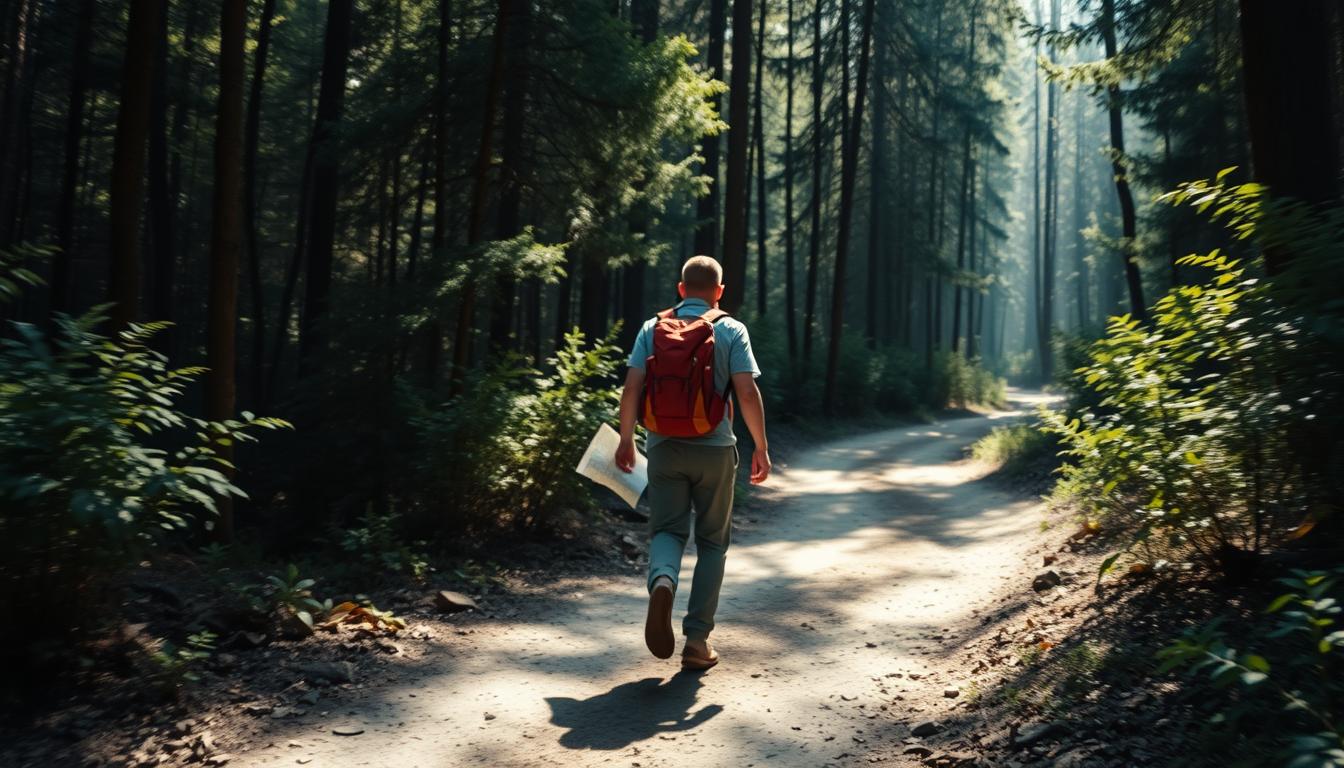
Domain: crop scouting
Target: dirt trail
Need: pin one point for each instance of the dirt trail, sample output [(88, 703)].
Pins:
[(868, 560)]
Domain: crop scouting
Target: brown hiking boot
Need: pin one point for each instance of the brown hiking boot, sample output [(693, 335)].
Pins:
[(658, 625)]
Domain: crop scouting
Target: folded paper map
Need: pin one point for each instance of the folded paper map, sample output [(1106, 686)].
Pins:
[(599, 465)]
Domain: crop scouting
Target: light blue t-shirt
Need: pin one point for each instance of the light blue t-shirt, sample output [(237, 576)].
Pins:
[(732, 354)]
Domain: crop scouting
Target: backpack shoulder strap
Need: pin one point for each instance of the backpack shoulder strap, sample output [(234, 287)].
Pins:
[(713, 316)]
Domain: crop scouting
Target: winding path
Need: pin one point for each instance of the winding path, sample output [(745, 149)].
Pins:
[(866, 562)]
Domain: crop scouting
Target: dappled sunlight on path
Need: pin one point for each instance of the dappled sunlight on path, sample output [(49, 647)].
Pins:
[(867, 556)]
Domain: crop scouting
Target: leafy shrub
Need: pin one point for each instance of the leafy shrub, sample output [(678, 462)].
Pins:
[(1292, 685), (503, 453), (886, 379), (377, 545), (1014, 447), (1200, 430), (87, 483), (964, 382), (176, 666)]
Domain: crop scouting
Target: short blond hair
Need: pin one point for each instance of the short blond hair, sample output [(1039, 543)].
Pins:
[(701, 273)]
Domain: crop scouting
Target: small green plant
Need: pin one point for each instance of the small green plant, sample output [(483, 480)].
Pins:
[(478, 574), (295, 594), (376, 544), (1293, 684), (177, 666)]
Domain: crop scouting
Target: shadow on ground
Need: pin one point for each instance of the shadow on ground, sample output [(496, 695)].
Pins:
[(631, 712)]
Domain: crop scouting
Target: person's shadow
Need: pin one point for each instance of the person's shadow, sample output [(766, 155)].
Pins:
[(631, 712)]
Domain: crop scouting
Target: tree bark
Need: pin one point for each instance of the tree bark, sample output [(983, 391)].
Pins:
[(758, 129), (128, 161), (1119, 168), (707, 227), (251, 141), (790, 301), (814, 243), (15, 112), (734, 256), (513, 170), (325, 183), (848, 172), (466, 305), (876, 198), (1051, 224), (644, 16), (226, 237), (962, 205), (161, 206), (74, 132)]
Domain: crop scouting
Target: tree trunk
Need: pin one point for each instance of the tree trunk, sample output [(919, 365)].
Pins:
[(251, 140), (734, 256), (1286, 66), (418, 218), (972, 293), (74, 128), (962, 205), (1051, 223), (1084, 278), (513, 170), (438, 243), (161, 207), (226, 236), (313, 338), (15, 112), (644, 16), (1119, 168), (466, 306), (762, 230), (814, 244), (932, 324), (790, 301), (848, 172), (128, 161), (876, 197), (707, 228)]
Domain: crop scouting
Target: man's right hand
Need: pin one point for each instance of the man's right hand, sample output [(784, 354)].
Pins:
[(625, 456)]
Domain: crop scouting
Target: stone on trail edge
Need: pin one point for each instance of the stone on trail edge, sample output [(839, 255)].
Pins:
[(452, 602)]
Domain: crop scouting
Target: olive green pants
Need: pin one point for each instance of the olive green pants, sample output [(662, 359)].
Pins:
[(681, 476)]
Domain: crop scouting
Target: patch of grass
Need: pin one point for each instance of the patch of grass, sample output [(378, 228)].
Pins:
[(1015, 448)]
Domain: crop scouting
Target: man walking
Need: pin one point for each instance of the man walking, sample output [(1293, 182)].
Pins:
[(687, 366)]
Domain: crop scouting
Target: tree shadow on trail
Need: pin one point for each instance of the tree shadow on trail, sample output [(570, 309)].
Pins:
[(631, 712)]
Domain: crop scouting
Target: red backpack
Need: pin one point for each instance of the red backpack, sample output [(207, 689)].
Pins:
[(679, 395)]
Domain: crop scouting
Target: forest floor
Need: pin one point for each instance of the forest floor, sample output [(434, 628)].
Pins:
[(878, 608)]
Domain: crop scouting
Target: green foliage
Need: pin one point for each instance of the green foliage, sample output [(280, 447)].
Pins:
[(888, 379), (1014, 447), (176, 666), (89, 477), (295, 594), (1291, 686), (503, 453), (14, 275), (1193, 430), (377, 545), (961, 382)]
